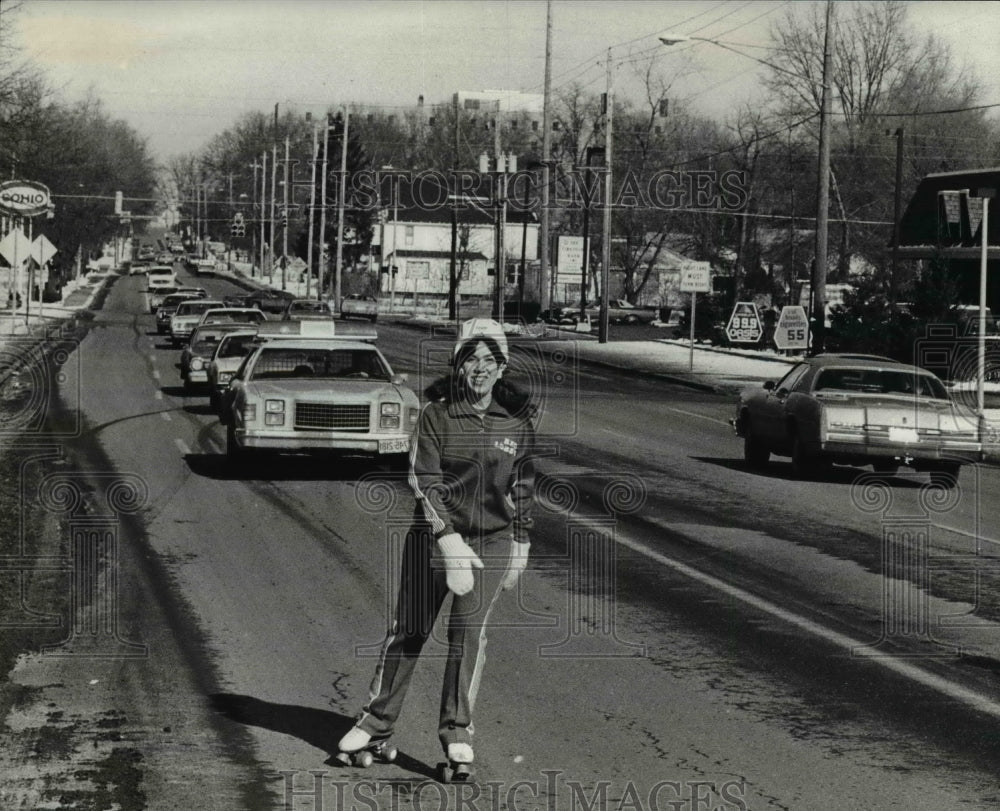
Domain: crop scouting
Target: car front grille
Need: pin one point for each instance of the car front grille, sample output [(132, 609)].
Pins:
[(325, 416)]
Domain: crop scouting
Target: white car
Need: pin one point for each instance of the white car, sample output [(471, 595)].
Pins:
[(307, 389), (230, 353), (186, 318)]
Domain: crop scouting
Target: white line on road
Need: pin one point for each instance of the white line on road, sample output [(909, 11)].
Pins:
[(967, 534), (182, 446), (158, 395), (853, 647), (156, 374), (166, 415), (699, 416)]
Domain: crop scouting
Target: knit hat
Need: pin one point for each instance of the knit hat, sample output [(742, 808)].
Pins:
[(482, 328)]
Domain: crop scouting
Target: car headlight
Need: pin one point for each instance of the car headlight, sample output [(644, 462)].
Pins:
[(197, 363), (274, 412), (389, 408), (225, 377)]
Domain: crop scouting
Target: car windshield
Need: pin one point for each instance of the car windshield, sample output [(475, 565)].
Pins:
[(254, 316), (236, 346), (283, 363), (880, 381)]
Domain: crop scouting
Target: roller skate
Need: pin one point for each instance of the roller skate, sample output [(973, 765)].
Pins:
[(358, 748), (458, 769)]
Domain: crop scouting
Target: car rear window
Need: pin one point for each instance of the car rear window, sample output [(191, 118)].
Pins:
[(195, 307), (880, 381), (237, 346)]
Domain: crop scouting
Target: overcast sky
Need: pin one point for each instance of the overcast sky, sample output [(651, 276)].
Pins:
[(181, 71)]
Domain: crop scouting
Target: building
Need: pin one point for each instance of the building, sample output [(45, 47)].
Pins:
[(415, 235)]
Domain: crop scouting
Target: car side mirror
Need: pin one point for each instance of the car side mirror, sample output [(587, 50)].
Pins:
[(400, 379), (769, 385)]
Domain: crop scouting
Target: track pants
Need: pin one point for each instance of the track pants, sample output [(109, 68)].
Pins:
[(422, 591)]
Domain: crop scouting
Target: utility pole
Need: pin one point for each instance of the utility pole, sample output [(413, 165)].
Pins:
[(452, 272), (341, 203), (284, 222), (543, 270), (896, 207), (274, 193), (602, 330), (321, 282), (263, 202), (823, 193), (312, 210), (253, 244)]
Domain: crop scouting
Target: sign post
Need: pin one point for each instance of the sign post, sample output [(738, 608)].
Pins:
[(696, 278), (25, 199), (744, 325)]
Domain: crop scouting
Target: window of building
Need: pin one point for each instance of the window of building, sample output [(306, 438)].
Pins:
[(472, 104), (409, 235), (418, 268)]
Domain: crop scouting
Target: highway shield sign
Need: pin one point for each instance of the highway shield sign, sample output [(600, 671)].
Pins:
[(744, 325)]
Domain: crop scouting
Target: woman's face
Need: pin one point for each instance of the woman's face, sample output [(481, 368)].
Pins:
[(480, 372)]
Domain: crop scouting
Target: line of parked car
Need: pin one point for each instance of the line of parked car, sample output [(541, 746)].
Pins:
[(286, 378)]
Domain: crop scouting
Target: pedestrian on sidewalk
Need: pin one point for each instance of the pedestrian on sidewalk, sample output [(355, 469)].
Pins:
[(472, 473)]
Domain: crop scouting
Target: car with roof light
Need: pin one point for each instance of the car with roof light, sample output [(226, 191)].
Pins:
[(198, 352), (229, 354), (314, 387), (304, 309), (160, 281), (271, 301), (187, 316), (857, 410)]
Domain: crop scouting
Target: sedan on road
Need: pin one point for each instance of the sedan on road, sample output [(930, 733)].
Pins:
[(306, 389), (200, 349), (857, 410)]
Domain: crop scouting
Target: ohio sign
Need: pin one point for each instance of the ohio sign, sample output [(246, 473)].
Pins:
[(24, 198)]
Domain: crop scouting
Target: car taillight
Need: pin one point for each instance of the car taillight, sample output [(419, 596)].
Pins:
[(225, 377)]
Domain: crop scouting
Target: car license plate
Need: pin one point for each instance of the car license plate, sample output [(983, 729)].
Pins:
[(903, 435), (393, 445)]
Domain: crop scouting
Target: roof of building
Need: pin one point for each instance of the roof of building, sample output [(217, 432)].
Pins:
[(408, 253)]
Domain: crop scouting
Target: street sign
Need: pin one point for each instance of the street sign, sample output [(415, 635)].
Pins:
[(696, 277), (24, 198), (744, 325), (792, 329), (569, 259), (15, 247), (42, 250)]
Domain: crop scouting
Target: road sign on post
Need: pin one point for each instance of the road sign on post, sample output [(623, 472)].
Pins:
[(792, 329), (696, 277), (744, 325)]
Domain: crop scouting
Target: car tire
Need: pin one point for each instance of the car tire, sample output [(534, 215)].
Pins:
[(214, 401), (945, 475), (374, 318), (804, 465), (234, 453), (755, 453)]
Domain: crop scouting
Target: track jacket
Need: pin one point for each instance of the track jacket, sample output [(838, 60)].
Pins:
[(471, 473)]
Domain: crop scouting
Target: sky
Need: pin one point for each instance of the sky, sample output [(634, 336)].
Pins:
[(181, 71)]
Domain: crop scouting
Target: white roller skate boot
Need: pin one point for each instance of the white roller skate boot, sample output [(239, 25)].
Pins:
[(359, 748), (458, 769)]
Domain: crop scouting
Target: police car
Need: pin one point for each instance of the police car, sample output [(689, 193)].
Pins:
[(316, 386)]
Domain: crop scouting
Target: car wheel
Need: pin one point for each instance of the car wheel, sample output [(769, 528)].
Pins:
[(234, 453), (804, 465), (755, 453), (213, 401), (374, 318), (946, 475)]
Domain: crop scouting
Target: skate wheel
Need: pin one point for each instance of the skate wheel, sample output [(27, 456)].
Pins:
[(462, 773), (343, 758), (445, 773), (363, 760), (390, 754)]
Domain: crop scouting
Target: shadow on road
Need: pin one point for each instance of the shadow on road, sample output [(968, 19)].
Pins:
[(274, 467), (319, 728), (832, 474)]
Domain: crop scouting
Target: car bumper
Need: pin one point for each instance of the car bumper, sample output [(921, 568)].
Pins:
[(318, 442), (947, 451), (197, 377)]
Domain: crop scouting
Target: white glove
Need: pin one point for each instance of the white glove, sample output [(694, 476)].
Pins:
[(518, 563), (459, 561)]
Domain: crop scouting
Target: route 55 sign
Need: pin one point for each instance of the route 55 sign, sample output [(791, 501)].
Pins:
[(792, 329), (744, 324)]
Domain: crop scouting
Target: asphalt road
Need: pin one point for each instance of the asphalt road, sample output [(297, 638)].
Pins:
[(689, 631)]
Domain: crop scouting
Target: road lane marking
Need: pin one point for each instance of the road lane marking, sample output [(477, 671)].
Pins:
[(158, 395), (967, 534), (166, 416), (699, 416), (853, 647), (156, 374), (182, 446)]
